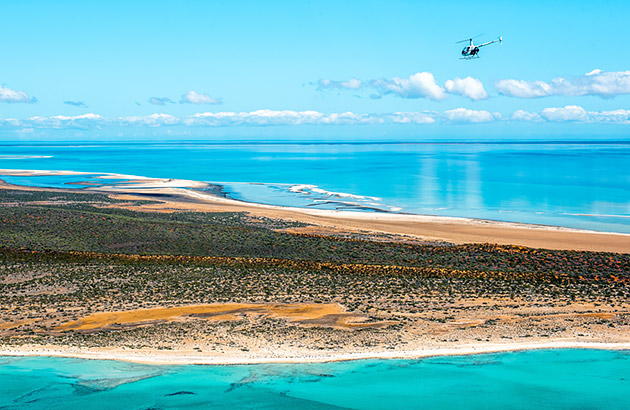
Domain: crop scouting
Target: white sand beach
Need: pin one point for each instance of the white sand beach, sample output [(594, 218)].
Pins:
[(160, 357)]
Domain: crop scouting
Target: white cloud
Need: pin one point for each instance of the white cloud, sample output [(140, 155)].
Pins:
[(467, 87), (596, 71), (412, 118), (63, 121), (419, 85), (221, 119), (563, 114), (193, 97), (619, 116), (597, 82), (521, 115), (11, 96), (464, 115), (569, 113), (153, 120), (259, 117), (284, 117), (352, 84), (523, 89), (605, 84), (88, 116), (574, 113), (10, 123), (350, 118)]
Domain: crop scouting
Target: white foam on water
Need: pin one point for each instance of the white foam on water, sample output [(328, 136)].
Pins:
[(24, 156), (306, 189)]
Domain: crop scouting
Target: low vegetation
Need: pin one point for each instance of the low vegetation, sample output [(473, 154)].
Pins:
[(67, 255)]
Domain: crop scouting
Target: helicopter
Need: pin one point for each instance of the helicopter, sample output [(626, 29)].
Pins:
[(472, 51)]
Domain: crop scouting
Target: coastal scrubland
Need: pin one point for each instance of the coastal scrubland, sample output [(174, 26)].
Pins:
[(67, 255)]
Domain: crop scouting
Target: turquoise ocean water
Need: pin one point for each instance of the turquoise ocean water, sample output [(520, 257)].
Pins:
[(545, 379), (579, 185)]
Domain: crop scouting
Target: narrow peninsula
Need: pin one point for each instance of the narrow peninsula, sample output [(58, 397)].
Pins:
[(165, 278)]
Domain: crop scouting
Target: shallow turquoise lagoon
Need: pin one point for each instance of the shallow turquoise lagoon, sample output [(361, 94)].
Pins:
[(543, 379), (578, 185)]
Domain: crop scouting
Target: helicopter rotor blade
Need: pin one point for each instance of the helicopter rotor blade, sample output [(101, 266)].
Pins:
[(471, 38)]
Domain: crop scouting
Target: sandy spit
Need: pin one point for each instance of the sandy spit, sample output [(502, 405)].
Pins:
[(177, 195), (423, 227)]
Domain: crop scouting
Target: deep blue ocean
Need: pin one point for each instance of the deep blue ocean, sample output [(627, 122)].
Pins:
[(544, 379), (579, 185)]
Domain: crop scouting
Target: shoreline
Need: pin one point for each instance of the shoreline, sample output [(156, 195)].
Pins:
[(195, 190), (398, 216), (175, 195), (155, 357)]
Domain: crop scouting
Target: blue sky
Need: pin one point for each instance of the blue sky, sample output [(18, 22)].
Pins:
[(317, 69)]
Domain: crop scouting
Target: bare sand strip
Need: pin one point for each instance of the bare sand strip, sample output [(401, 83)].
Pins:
[(328, 315), (158, 357)]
